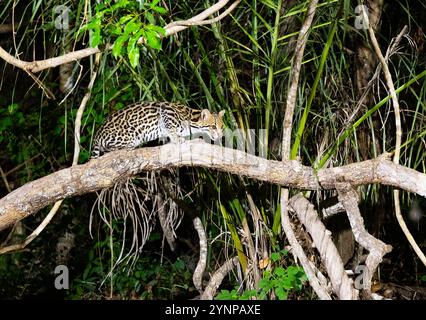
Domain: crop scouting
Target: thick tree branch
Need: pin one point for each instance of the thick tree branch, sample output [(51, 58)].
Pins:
[(119, 165)]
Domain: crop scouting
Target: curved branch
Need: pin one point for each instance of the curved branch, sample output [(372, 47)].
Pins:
[(398, 136), (217, 278), (39, 65), (120, 165), (197, 278), (171, 28)]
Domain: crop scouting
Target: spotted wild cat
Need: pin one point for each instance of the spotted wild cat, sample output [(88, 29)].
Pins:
[(142, 122)]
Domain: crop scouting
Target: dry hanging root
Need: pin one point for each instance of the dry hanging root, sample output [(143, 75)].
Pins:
[(137, 206)]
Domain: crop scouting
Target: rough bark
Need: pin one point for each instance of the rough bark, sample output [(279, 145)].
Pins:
[(120, 165)]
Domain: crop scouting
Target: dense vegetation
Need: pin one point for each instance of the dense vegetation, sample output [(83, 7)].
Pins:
[(241, 64)]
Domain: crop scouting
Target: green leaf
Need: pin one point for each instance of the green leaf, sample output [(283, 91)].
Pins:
[(120, 4), (118, 44), (248, 294), (5, 123), (96, 37), (116, 30), (154, 3), (134, 39), (287, 283), (94, 24), (134, 55), (149, 16), (275, 256), (132, 26), (180, 265), (160, 10), (265, 284), (12, 108), (158, 29), (279, 271), (125, 18), (281, 293), (153, 40)]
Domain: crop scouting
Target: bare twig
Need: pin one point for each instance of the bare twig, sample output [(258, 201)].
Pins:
[(398, 137), (217, 278), (295, 74), (39, 65), (177, 26), (80, 111), (35, 233), (4, 178), (197, 278)]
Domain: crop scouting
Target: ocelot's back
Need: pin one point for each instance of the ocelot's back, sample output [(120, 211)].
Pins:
[(142, 122)]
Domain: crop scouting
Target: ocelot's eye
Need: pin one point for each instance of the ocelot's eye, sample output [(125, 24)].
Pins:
[(214, 127)]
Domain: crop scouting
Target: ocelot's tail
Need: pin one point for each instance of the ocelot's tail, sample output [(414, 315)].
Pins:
[(96, 152)]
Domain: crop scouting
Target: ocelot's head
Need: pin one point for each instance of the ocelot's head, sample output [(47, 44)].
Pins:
[(209, 123)]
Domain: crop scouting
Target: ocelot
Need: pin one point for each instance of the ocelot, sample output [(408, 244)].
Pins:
[(142, 122)]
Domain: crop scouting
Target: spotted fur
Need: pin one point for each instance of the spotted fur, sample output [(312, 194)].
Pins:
[(142, 122)]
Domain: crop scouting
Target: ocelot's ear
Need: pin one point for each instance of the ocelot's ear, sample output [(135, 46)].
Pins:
[(221, 113), (205, 114)]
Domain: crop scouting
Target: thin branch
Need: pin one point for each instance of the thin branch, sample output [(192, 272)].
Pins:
[(165, 226), (56, 206), (217, 278), (177, 26), (320, 290), (286, 146), (204, 14), (35, 233), (295, 75), (172, 28), (39, 65), (80, 111), (377, 249), (197, 278), (4, 178), (398, 137)]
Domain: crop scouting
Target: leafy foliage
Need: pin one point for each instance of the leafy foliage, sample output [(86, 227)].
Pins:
[(123, 23), (278, 281)]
